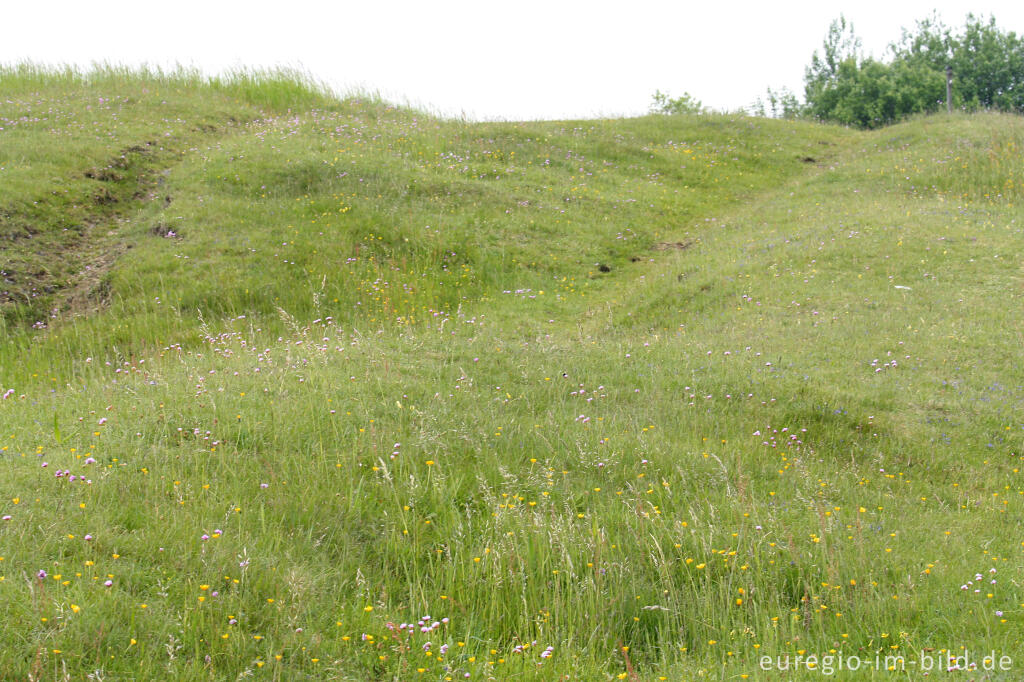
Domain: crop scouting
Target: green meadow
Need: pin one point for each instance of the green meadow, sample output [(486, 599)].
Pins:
[(306, 388)]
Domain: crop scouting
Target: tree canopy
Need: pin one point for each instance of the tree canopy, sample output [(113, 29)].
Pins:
[(843, 86)]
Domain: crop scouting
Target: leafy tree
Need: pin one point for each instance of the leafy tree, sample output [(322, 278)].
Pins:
[(684, 104), (931, 46), (988, 71), (842, 86), (841, 46), (988, 66)]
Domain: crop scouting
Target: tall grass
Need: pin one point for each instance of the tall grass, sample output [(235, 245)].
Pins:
[(381, 396), (274, 89)]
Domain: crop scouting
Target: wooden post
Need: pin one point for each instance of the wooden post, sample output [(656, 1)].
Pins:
[(949, 89)]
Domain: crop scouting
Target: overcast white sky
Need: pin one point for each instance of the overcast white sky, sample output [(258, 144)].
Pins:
[(482, 59)]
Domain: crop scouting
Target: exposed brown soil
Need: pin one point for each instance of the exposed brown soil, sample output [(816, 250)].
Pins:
[(673, 246)]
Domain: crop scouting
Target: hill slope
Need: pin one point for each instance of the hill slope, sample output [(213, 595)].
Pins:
[(638, 398)]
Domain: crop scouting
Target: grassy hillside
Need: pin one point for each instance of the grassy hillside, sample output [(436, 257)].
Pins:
[(300, 388)]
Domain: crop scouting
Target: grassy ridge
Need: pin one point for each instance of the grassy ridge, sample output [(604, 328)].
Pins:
[(640, 399), (395, 191)]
